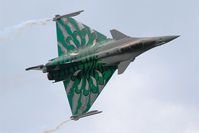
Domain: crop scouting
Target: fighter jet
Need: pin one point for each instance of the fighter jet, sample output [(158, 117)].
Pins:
[(87, 59)]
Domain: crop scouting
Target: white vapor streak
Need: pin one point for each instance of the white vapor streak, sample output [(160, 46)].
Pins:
[(15, 30), (57, 128)]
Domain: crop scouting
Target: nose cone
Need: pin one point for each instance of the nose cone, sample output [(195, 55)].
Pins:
[(169, 38), (165, 39)]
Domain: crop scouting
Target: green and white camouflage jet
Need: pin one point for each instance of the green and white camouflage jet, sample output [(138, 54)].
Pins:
[(87, 59)]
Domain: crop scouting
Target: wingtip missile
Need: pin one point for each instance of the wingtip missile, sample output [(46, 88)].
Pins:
[(57, 17), (77, 117)]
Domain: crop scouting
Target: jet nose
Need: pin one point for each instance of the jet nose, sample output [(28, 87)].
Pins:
[(170, 38), (165, 39)]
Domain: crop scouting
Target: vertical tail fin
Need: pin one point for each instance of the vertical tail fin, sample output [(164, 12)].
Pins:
[(117, 35)]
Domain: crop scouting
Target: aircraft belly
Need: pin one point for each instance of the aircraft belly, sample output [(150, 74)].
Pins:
[(63, 71)]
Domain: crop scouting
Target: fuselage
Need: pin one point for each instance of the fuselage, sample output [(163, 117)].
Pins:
[(109, 53)]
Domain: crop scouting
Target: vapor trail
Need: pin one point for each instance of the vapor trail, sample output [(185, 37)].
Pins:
[(15, 30), (57, 128)]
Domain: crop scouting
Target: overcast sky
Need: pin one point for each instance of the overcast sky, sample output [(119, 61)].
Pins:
[(158, 93)]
